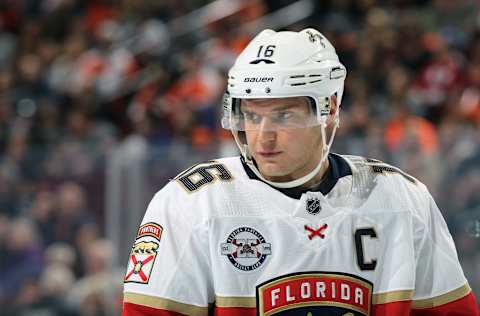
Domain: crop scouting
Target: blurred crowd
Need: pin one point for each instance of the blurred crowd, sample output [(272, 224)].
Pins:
[(78, 78)]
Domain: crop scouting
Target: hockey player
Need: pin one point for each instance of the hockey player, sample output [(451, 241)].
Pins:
[(289, 228)]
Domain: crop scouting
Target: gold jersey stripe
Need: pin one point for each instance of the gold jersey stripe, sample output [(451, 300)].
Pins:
[(451, 296), (235, 301), (394, 296), (166, 304)]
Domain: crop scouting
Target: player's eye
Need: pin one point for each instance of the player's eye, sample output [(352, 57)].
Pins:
[(283, 116), (251, 117)]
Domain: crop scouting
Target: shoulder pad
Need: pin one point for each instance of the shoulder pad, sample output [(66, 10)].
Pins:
[(377, 167), (202, 174)]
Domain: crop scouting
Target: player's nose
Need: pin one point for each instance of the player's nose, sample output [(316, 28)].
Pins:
[(267, 131)]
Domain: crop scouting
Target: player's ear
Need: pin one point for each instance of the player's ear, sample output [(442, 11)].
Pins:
[(333, 109)]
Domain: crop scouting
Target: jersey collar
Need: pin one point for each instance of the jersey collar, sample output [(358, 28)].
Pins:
[(338, 168)]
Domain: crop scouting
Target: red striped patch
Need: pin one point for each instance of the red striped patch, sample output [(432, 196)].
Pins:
[(150, 229)]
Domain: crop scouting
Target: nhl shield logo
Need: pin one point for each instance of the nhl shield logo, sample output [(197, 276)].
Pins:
[(313, 206)]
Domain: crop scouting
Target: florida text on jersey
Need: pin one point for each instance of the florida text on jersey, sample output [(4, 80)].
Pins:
[(369, 240)]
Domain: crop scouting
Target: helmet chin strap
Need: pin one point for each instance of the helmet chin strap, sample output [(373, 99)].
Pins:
[(299, 181)]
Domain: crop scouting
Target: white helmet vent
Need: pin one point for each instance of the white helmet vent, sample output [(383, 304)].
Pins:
[(294, 81), (297, 76)]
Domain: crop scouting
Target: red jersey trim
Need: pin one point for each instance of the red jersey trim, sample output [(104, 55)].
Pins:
[(401, 308), (443, 299), (164, 304), (393, 296), (465, 306), (235, 301), (235, 311), (130, 309)]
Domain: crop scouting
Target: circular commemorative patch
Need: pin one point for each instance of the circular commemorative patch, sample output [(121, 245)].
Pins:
[(246, 248)]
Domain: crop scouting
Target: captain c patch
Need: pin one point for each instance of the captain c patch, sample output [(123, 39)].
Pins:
[(315, 293), (141, 262)]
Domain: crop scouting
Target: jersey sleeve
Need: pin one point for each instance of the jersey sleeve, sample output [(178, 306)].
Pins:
[(168, 270), (440, 285)]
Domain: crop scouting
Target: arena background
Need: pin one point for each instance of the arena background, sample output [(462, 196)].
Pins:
[(102, 101)]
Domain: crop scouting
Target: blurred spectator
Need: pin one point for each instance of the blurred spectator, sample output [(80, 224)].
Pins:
[(441, 76), (60, 254), (43, 214), (21, 260), (46, 295), (72, 212), (98, 291)]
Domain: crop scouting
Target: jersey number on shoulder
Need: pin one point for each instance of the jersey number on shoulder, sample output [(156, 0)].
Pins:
[(361, 234), (200, 175), (382, 168)]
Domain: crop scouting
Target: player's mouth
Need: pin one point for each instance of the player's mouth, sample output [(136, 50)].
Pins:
[(268, 154)]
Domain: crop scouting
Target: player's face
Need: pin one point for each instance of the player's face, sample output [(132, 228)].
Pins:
[(282, 154)]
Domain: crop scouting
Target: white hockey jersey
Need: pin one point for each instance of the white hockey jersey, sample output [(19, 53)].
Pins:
[(369, 240)]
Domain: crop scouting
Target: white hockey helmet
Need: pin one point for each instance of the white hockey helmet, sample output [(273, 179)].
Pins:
[(281, 65)]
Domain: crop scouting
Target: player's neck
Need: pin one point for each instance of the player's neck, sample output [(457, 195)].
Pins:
[(319, 177)]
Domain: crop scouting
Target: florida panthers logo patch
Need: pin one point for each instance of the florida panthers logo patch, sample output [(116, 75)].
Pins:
[(315, 293), (150, 229), (141, 262), (246, 249)]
